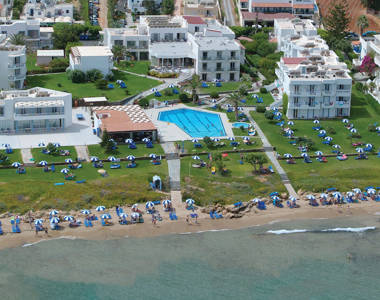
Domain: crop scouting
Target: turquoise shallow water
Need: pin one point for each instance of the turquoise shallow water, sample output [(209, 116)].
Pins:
[(242, 264)]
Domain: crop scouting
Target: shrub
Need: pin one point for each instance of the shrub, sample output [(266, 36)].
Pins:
[(269, 115), (168, 92), (101, 84), (58, 65), (110, 77), (214, 94), (330, 130), (359, 86), (266, 82), (77, 76), (261, 108), (94, 75), (209, 143), (263, 90), (184, 98), (372, 128), (144, 102), (284, 104)]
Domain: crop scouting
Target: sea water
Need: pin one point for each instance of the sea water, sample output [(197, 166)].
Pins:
[(315, 259)]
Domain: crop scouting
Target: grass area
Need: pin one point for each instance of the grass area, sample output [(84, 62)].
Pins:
[(36, 190), (84, 10), (124, 151), (226, 86), (343, 175), (31, 60), (15, 156), (251, 101), (240, 184), (38, 155), (189, 146), (164, 97), (137, 66), (135, 85)]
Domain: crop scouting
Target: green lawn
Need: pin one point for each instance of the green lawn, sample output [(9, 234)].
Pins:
[(343, 175), (38, 155), (189, 146), (226, 86), (138, 66), (135, 85), (31, 60), (164, 97), (240, 184), (36, 190), (251, 101), (14, 157), (124, 151)]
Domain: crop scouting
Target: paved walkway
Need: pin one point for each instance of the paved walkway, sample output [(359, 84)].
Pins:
[(229, 12), (82, 152), (174, 168), (26, 155), (272, 156)]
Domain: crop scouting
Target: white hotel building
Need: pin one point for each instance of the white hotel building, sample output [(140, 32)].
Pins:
[(34, 110), (12, 65), (183, 41), (318, 85)]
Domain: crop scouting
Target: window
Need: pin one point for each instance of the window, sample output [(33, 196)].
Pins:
[(312, 88), (296, 88), (327, 87), (204, 66), (204, 77), (232, 76), (233, 54), (219, 66), (219, 54), (218, 76), (67, 11), (1, 111), (38, 110), (232, 66), (340, 87), (295, 113), (196, 29), (311, 101), (326, 100), (204, 55), (118, 42), (131, 44), (296, 101)]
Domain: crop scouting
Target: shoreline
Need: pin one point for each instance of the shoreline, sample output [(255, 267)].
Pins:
[(255, 218)]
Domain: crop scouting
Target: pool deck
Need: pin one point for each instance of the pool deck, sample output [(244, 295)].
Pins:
[(170, 132)]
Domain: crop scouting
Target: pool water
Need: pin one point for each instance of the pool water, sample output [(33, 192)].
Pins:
[(239, 124), (195, 123)]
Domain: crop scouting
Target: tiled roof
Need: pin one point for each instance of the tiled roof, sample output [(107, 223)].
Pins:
[(194, 20), (293, 60), (244, 38), (311, 6)]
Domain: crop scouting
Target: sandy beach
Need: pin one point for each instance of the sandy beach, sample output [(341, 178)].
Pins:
[(166, 226)]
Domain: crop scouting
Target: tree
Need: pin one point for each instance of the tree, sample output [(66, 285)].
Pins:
[(63, 34), (253, 159), (195, 83), (53, 150), (94, 75), (3, 158), (234, 99), (78, 76), (150, 7), (17, 39), (284, 104), (105, 138), (119, 52), (243, 89), (362, 23), (337, 21), (368, 65), (167, 7), (246, 78), (101, 84)]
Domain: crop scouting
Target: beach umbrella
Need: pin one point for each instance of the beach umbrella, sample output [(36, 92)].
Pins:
[(171, 86), (38, 222), (337, 194), (324, 196), (152, 155), (43, 163), (350, 194), (129, 141), (213, 100), (135, 206), (135, 215), (370, 146), (240, 108), (85, 212), (194, 140), (229, 105), (310, 197), (288, 155), (131, 157), (54, 220), (289, 132), (190, 202), (328, 138), (57, 145), (196, 157), (304, 155), (123, 215), (274, 108), (65, 171), (246, 138), (231, 138), (319, 153), (112, 158), (146, 140), (353, 130), (293, 199), (359, 150), (69, 218), (278, 114), (255, 200), (290, 123), (106, 216), (316, 121), (100, 208), (166, 202), (378, 128), (357, 191), (149, 205), (371, 191), (322, 131), (68, 160), (7, 145), (16, 164), (336, 146), (94, 159), (345, 121), (41, 144), (275, 198), (154, 90), (215, 139), (54, 212)]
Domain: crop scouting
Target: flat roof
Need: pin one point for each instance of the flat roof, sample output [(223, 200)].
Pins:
[(59, 53), (216, 43), (91, 51), (47, 29), (95, 99), (123, 118), (194, 20), (171, 50)]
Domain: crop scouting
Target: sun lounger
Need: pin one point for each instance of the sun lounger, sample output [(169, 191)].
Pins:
[(313, 203), (97, 165), (238, 204), (74, 224), (212, 215), (175, 91), (54, 226), (322, 135), (261, 205), (156, 162), (361, 156), (39, 228), (81, 181), (270, 168), (87, 223), (149, 145), (316, 127), (80, 117), (292, 142), (307, 160), (342, 157), (132, 146), (106, 223), (115, 166), (1, 230), (123, 222), (131, 165), (204, 85), (197, 145), (111, 86), (157, 94), (326, 142), (322, 159), (173, 216)]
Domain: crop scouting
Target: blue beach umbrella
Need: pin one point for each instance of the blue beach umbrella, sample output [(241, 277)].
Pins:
[(100, 208), (43, 163), (65, 171), (41, 144), (316, 122), (131, 157), (68, 160), (146, 140), (166, 203), (194, 140), (290, 123), (293, 199), (123, 215), (275, 198), (310, 197), (149, 205), (350, 194), (322, 131), (69, 218), (129, 141), (57, 145), (304, 155), (94, 159), (378, 128), (135, 215), (288, 155), (324, 196), (152, 155), (190, 202), (371, 191), (7, 145), (154, 90), (345, 121), (246, 138), (196, 157), (231, 138), (370, 146), (135, 206), (38, 222), (319, 153), (54, 212), (172, 86), (16, 165), (336, 146), (353, 130), (112, 158), (357, 191), (54, 220), (85, 212), (337, 194), (328, 138), (214, 139), (359, 150), (106, 216)]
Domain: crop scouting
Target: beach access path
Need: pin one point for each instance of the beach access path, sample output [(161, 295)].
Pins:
[(82, 152), (26, 154), (271, 155), (174, 169)]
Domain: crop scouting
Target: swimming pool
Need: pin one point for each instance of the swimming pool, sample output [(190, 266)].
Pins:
[(239, 124), (195, 123)]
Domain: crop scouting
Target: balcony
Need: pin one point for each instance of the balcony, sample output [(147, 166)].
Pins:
[(16, 77), (219, 69), (16, 66)]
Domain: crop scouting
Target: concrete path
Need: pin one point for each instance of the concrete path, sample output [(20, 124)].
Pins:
[(26, 155), (82, 152), (229, 11), (174, 166), (272, 156)]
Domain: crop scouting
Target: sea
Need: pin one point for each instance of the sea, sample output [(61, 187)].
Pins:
[(313, 259)]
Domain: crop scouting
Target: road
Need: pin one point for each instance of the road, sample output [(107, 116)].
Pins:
[(229, 12), (103, 5)]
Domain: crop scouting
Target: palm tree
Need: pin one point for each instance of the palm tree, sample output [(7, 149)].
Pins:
[(119, 52), (362, 23), (17, 39), (234, 99), (195, 84)]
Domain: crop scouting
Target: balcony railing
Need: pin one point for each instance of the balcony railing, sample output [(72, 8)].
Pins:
[(16, 77), (16, 66)]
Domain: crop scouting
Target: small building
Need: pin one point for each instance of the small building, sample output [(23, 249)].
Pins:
[(44, 57), (85, 58), (203, 8), (123, 122)]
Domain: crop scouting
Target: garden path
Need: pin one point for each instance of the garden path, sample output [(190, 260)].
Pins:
[(82, 152), (174, 168), (26, 155)]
